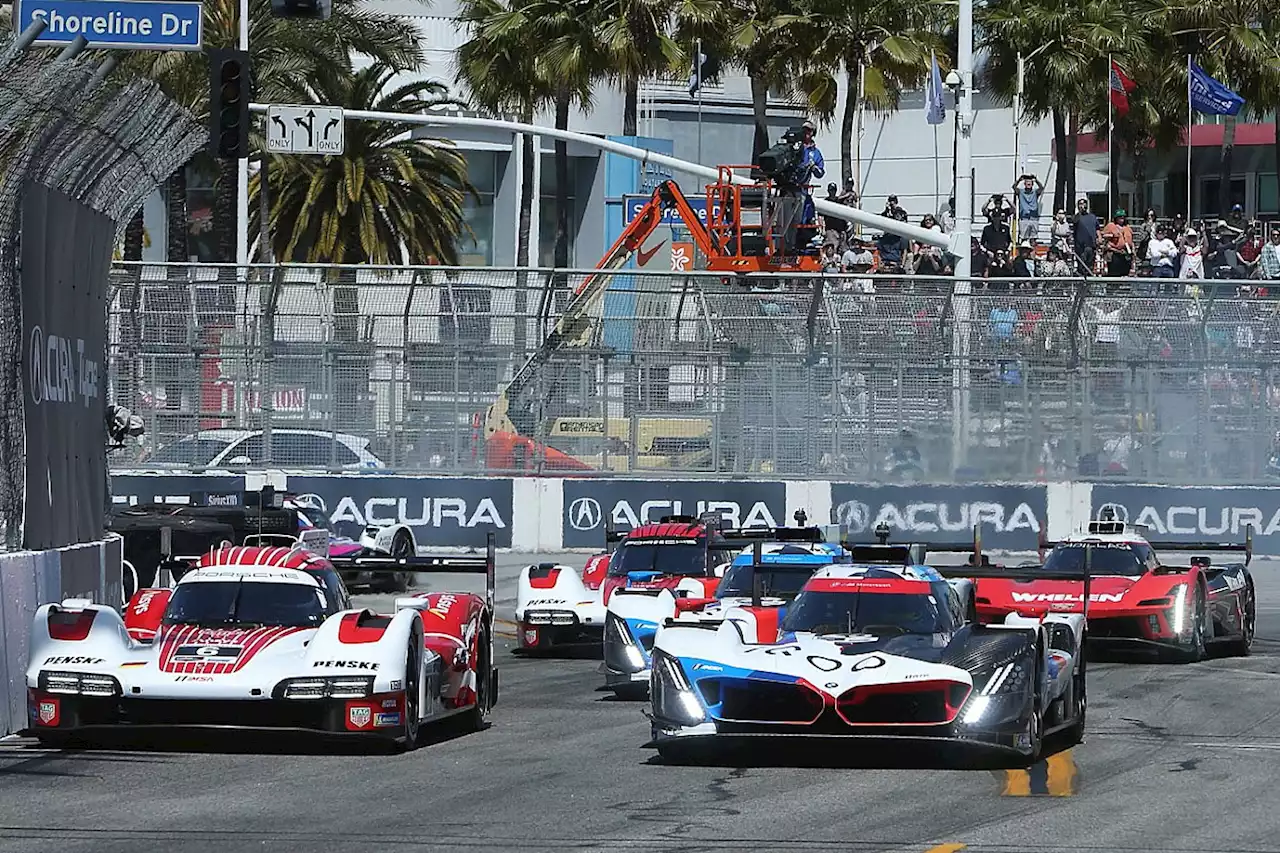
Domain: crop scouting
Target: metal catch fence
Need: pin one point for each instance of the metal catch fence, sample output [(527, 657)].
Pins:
[(470, 370), (67, 124)]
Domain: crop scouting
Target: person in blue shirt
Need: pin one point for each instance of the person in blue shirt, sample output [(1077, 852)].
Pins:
[(793, 186), (1003, 319), (1028, 190)]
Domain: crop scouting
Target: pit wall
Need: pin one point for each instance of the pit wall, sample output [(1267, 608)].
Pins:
[(31, 578), (531, 514)]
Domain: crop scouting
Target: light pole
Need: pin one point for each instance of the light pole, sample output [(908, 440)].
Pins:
[(961, 237)]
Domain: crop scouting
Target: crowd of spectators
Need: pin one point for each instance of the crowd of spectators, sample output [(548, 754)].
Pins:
[(1233, 248)]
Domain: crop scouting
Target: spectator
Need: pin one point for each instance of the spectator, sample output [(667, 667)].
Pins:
[(1024, 265), (1061, 234), (1192, 257), (998, 204), (1028, 195), (1117, 239), (928, 260), (1146, 233), (849, 197), (1003, 319), (1085, 235), (979, 260), (834, 229), (890, 246), (1107, 334), (1055, 265), (858, 257), (996, 238), (1236, 219), (830, 260), (1251, 248), (1162, 254), (1269, 259), (947, 216), (1178, 229), (891, 209)]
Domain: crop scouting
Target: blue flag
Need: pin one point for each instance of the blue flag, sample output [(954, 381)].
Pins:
[(936, 112), (1209, 96)]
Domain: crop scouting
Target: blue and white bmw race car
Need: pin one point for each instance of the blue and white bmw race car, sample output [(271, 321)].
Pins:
[(776, 566), (870, 652)]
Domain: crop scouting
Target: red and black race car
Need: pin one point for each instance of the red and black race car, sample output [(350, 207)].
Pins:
[(1138, 601)]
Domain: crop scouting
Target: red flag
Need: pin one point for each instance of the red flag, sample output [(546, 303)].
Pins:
[(1121, 86)]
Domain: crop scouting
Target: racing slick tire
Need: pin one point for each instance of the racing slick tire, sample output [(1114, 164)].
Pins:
[(411, 730), (1074, 733), (474, 719), (401, 546), (1241, 646), (1194, 649)]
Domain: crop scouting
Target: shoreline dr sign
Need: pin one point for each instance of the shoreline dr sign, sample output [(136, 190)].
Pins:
[(633, 204), (112, 24)]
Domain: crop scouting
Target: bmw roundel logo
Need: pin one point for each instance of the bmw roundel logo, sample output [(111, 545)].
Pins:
[(585, 514)]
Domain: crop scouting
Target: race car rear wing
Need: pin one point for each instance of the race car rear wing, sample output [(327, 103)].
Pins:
[(760, 570), (980, 568), (459, 564), (1121, 527)]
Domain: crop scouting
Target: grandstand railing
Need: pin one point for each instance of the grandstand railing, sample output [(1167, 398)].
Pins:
[(699, 375)]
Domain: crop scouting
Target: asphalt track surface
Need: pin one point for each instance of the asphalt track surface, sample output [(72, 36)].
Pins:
[(1176, 758)]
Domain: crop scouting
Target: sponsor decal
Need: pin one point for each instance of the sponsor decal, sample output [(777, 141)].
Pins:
[(542, 602), (1051, 597), (708, 667), (390, 703), (63, 659), (346, 664), (382, 720), (200, 678), (359, 716), (144, 601), (1234, 582), (206, 654), (48, 712), (419, 512), (585, 514), (531, 636), (1190, 520), (60, 371), (443, 605), (397, 685)]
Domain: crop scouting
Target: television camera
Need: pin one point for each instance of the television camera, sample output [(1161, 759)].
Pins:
[(781, 162)]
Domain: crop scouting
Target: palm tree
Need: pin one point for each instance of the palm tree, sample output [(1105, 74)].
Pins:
[(888, 42), (389, 199), (634, 35), (1065, 45), (498, 67), (282, 53)]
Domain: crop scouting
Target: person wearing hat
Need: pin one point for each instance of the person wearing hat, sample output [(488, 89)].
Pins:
[(1024, 266), (1192, 256), (1236, 220), (793, 188), (1117, 243), (1162, 254)]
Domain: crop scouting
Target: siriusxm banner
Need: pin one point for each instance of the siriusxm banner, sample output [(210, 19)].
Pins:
[(131, 489), (588, 504), (1195, 514), (1011, 516), (442, 511)]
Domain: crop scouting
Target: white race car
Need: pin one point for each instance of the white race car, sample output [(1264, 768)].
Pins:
[(264, 638), (870, 653), (634, 616)]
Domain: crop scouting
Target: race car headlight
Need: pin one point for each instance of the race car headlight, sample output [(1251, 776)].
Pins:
[(673, 697), (1007, 678), (334, 687), (79, 683), (1180, 609), (621, 654)]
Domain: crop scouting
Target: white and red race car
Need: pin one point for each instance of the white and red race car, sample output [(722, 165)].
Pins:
[(265, 638)]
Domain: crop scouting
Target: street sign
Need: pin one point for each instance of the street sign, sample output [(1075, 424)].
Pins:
[(304, 130), (108, 24)]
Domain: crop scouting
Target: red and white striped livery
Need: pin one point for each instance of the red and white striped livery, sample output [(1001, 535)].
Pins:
[(265, 638)]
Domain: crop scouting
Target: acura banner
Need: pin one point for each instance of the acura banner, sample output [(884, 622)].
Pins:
[(66, 255), (1195, 514), (1011, 516), (589, 504), (442, 511)]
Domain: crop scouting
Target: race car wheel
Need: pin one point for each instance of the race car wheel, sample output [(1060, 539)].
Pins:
[(1240, 647), (475, 718), (1075, 732), (401, 546), (1194, 649), (412, 692)]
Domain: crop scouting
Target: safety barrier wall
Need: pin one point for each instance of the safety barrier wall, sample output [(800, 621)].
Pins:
[(31, 578), (529, 514)]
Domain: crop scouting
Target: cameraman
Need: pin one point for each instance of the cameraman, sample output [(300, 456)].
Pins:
[(793, 187)]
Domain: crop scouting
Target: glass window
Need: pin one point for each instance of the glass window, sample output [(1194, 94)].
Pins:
[(189, 451), (313, 450), (476, 249), (482, 171), (1209, 195), (250, 448), (1268, 196), (668, 558), (246, 602), (1108, 559), (869, 612), (547, 213)]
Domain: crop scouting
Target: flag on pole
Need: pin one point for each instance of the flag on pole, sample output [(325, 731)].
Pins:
[(1209, 96), (1121, 86), (935, 110), (705, 68)]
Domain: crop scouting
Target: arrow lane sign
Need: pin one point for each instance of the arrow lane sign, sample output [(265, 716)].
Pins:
[(284, 129), (308, 126), (332, 123)]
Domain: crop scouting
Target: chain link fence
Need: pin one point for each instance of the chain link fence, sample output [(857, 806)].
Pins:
[(507, 371), (66, 123)]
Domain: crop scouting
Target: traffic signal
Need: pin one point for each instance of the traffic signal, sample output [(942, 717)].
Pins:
[(316, 9), (229, 95)]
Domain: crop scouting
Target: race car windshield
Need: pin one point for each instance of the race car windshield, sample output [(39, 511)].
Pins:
[(865, 613), (1108, 559), (218, 603), (315, 517), (783, 583), (672, 557)]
